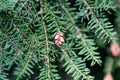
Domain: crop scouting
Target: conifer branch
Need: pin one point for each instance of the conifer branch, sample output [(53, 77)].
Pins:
[(80, 34), (3, 76), (97, 20), (24, 40), (28, 62), (16, 49), (28, 28), (47, 48), (28, 11), (99, 7), (33, 18), (67, 56), (54, 16), (47, 58), (25, 66), (23, 5), (16, 2), (75, 66), (45, 31), (89, 50), (18, 53)]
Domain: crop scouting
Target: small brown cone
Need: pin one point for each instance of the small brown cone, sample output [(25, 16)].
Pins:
[(59, 38)]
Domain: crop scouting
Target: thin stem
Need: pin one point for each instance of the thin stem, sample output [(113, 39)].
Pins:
[(79, 31), (45, 31), (26, 64), (89, 50), (74, 65), (47, 47), (97, 21), (54, 16), (97, 7), (23, 5), (110, 65)]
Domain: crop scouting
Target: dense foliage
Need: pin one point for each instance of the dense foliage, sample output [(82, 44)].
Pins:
[(27, 30)]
